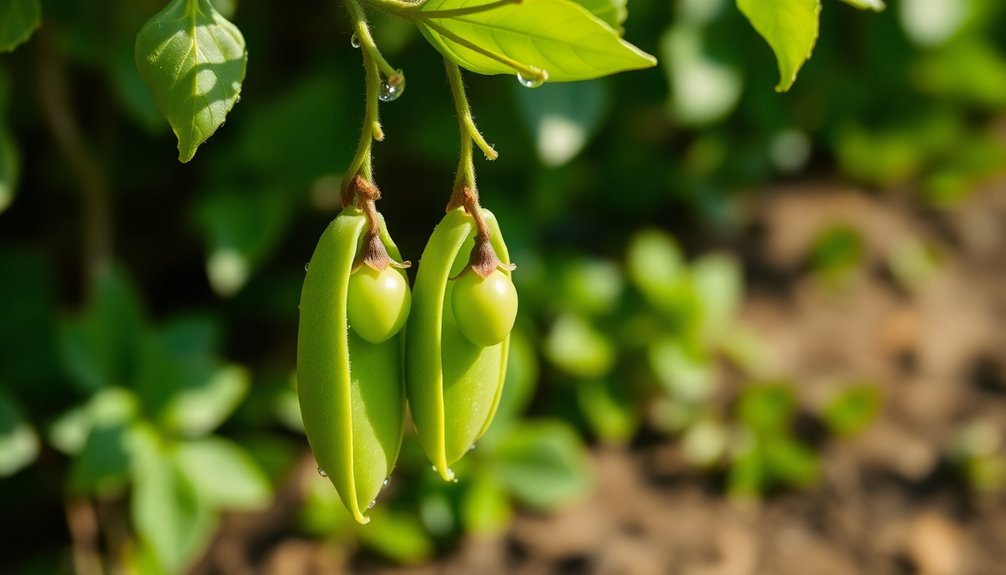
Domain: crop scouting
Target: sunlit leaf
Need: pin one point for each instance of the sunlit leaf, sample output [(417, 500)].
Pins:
[(193, 60), (558, 36), (167, 512), (223, 474), (613, 12), (875, 5), (18, 20), (703, 89), (578, 348), (790, 28)]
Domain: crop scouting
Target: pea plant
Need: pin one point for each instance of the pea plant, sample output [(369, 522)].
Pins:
[(356, 298), (368, 344)]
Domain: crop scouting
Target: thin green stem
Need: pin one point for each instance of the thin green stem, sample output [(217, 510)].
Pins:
[(466, 11), (464, 181), (362, 31)]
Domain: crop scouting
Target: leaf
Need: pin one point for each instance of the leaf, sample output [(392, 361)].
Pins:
[(109, 407), (719, 287), (578, 348), (544, 464), (193, 60), (101, 347), (18, 19), (485, 508), (564, 117), (704, 89), (609, 410), (398, 536), (852, 409), (558, 36), (613, 12), (18, 440), (790, 28), (875, 5), (767, 408), (223, 474), (103, 466), (167, 512), (687, 374)]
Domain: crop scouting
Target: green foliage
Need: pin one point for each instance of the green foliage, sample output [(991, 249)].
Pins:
[(18, 440), (193, 60), (18, 20), (852, 409), (558, 37), (790, 28)]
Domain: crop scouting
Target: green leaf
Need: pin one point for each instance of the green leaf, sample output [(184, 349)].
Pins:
[(544, 464), (687, 374), (18, 19), (609, 410), (704, 89), (10, 165), (202, 398), (558, 36), (852, 409), (167, 512), (398, 536), (485, 508), (578, 348), (223, 474), (103, 466), (193, 60), (101, 347), (719, 286), (613, 12), (109, 407), (767, 408), (18, 440), (789, 27), (875, 5), (790, 462)]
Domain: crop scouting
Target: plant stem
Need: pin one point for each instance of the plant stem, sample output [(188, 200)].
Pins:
[(525, 70), (465, 192)]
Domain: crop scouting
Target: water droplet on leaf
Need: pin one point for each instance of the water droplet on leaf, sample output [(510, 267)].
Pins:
[(322, 473), (307, 265), (532, 81), (355, 41), (372, 504), (392, 88)]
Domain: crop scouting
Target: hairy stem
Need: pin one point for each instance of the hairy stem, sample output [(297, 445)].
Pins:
[(465, 192)]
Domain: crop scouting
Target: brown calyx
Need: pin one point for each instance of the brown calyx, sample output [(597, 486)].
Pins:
[(483, 259), (372, 252)]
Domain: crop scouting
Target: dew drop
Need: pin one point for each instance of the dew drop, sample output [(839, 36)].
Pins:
[(307, 265), (322, 473), (471, 447), (387, 480), (532, 81), (372, 504), (392, 88), (434, 468), (355, 41)]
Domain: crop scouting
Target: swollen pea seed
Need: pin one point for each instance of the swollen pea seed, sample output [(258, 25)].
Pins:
[(378, 303), (484, 308)]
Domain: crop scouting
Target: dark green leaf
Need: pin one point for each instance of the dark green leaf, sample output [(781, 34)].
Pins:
[(544, 464), (103, 467), (101, 347), (18, 19), (789, 27), (558, 36), (193, 60)]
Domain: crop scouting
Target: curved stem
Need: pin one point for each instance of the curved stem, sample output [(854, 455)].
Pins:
[(465, 192), (455, 12)]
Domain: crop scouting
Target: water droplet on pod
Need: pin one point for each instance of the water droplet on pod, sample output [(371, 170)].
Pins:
[(372, 504), (471, 447), (532, 81), (322, 473), (387, 480), (392, 87), (307, 265), (355, 41)]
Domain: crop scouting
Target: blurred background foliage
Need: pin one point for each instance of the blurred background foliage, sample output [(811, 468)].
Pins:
[(148, 308)]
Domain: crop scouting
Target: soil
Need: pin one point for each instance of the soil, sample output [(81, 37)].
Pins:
[(890, 501)]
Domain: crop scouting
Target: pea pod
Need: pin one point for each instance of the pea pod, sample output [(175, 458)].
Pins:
[(453, 385), (351, 392)]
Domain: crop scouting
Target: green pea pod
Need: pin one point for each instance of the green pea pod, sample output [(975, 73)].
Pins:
[(351, 393), (453, 385)]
